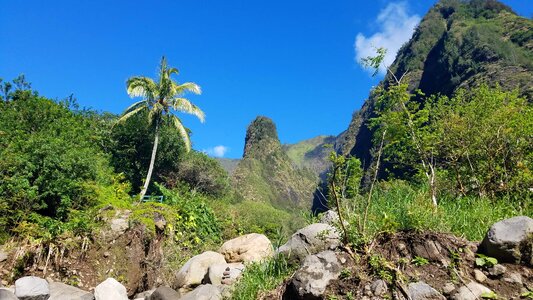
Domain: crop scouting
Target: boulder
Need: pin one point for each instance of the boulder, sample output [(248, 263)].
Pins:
[(7, 295), (225, 273), (203, 292), (510, 240), (423, 291), (164, 293), (110, 289), (251, 247), (195, 269), (3, 255), (61, 291), (311, 239), (471, 291), (311, 280), (32, 288)]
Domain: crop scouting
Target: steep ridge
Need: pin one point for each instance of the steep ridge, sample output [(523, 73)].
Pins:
[(458, 44), (267, 174)]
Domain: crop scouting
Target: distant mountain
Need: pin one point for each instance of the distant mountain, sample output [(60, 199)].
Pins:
[(312, 154), (458, 44), (267, 174)]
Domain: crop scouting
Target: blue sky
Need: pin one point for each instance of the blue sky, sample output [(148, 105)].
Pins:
[(293, 61)]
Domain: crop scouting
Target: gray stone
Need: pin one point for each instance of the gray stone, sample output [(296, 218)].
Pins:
[(32, 288), (61, 291), (225, 273), (471, 291), (203, 292), (7, 295), (309, 240), (514, 278), (379, 287), (3, 256), (479, 276), (311, 280), (164, 293), (506, 240), (145, 294), (448, 288), (497, 270), (253, 247), (195, 269), (423, 291), (110, 289)]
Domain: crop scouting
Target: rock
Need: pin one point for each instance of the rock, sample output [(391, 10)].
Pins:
[(479, 276), (32, 288), (61, 291), (225, 273), (471, 291), (497, 270), (379, 287), (160, 222), (514, 278), (118, 225), (422, 291), (195, 269), (110, 289), (164, 293), (7, 295), (311, 280), (252, 247), (107, 254), (510, 240), (431, 250), (145, 294), (448, 288), (311, 239), (203, 292), (329, 217), (3, 256)]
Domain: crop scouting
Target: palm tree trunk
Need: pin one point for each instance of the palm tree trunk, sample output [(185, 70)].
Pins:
[(152, 161)]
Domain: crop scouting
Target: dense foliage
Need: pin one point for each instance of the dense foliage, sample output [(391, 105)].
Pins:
[(51, 159), (477, 142)]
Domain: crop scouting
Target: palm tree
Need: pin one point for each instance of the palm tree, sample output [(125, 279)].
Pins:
[(161, 100)]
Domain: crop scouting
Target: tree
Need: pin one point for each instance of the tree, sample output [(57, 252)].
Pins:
[(161, 99)]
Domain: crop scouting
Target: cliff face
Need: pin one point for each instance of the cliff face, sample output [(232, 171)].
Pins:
[(458, 44), (267, 174)]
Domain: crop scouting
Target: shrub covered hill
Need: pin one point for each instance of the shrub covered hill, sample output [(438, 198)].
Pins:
[(458, 44)]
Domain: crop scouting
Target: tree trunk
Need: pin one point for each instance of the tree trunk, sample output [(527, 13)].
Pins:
[(152, 161)]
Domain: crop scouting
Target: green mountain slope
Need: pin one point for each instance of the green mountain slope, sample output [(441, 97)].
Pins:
[(458, 44), (267, 174)]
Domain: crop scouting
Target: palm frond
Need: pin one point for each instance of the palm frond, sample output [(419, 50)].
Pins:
[(155, 112), (182, 131), (139, 86), (135, 106), (184, 105), (186, 87), (132, 112)]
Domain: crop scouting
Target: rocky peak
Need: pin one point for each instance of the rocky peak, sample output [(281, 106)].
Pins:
[(261, 138)]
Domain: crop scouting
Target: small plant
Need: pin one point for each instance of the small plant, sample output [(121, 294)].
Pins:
[(345, 273), (484, 261), (381, 267), (528, 294), (419, 261), (350, 296), (489, 295)]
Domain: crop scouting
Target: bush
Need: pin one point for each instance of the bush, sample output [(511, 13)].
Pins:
[(201, 173)]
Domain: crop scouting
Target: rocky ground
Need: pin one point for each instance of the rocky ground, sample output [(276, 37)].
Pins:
[(402, 265)]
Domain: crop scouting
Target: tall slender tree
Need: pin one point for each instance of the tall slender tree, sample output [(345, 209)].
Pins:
[(162, 99)]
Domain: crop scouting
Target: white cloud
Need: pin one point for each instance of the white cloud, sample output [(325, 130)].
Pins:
[(396, 27), (217, 151)]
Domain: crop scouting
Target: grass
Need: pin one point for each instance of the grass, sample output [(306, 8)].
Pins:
[(260, 277), (400, 206)]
